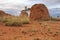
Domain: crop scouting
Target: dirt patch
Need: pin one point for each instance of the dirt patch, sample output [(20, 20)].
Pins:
[(44, 30)]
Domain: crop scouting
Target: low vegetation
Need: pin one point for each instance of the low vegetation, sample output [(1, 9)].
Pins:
[(14, 20), (55, 19)]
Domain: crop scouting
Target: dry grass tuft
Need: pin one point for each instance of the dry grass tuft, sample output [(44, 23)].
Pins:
[(14, 20)]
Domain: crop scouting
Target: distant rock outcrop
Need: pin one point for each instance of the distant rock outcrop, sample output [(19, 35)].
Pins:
[(2, 13), (39, 12), (23, 13)]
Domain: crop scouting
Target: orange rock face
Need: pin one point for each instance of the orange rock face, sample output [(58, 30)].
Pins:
[(39, 12)]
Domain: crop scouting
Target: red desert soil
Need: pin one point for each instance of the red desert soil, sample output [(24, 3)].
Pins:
[(46, 30)]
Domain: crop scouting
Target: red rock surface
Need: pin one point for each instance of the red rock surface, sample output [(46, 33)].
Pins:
[(39, 11)]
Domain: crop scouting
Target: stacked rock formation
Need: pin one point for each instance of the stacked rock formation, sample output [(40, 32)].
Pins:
[(23, 13), (39, 12)]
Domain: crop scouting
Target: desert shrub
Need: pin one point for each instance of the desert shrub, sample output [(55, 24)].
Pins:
[(55, 19), (12, 23), (3, 19), (14, 20), (0, 19), (25, 20)]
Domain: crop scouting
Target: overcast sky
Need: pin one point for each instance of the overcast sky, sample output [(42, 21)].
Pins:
[(19, 4)]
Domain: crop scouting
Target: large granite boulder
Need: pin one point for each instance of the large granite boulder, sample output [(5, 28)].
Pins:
[(39, 12)]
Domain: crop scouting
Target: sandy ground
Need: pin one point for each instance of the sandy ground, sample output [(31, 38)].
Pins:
[(47, 30)]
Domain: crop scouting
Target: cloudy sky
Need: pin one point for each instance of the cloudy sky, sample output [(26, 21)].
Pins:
[(19, 4), (15, 6)]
